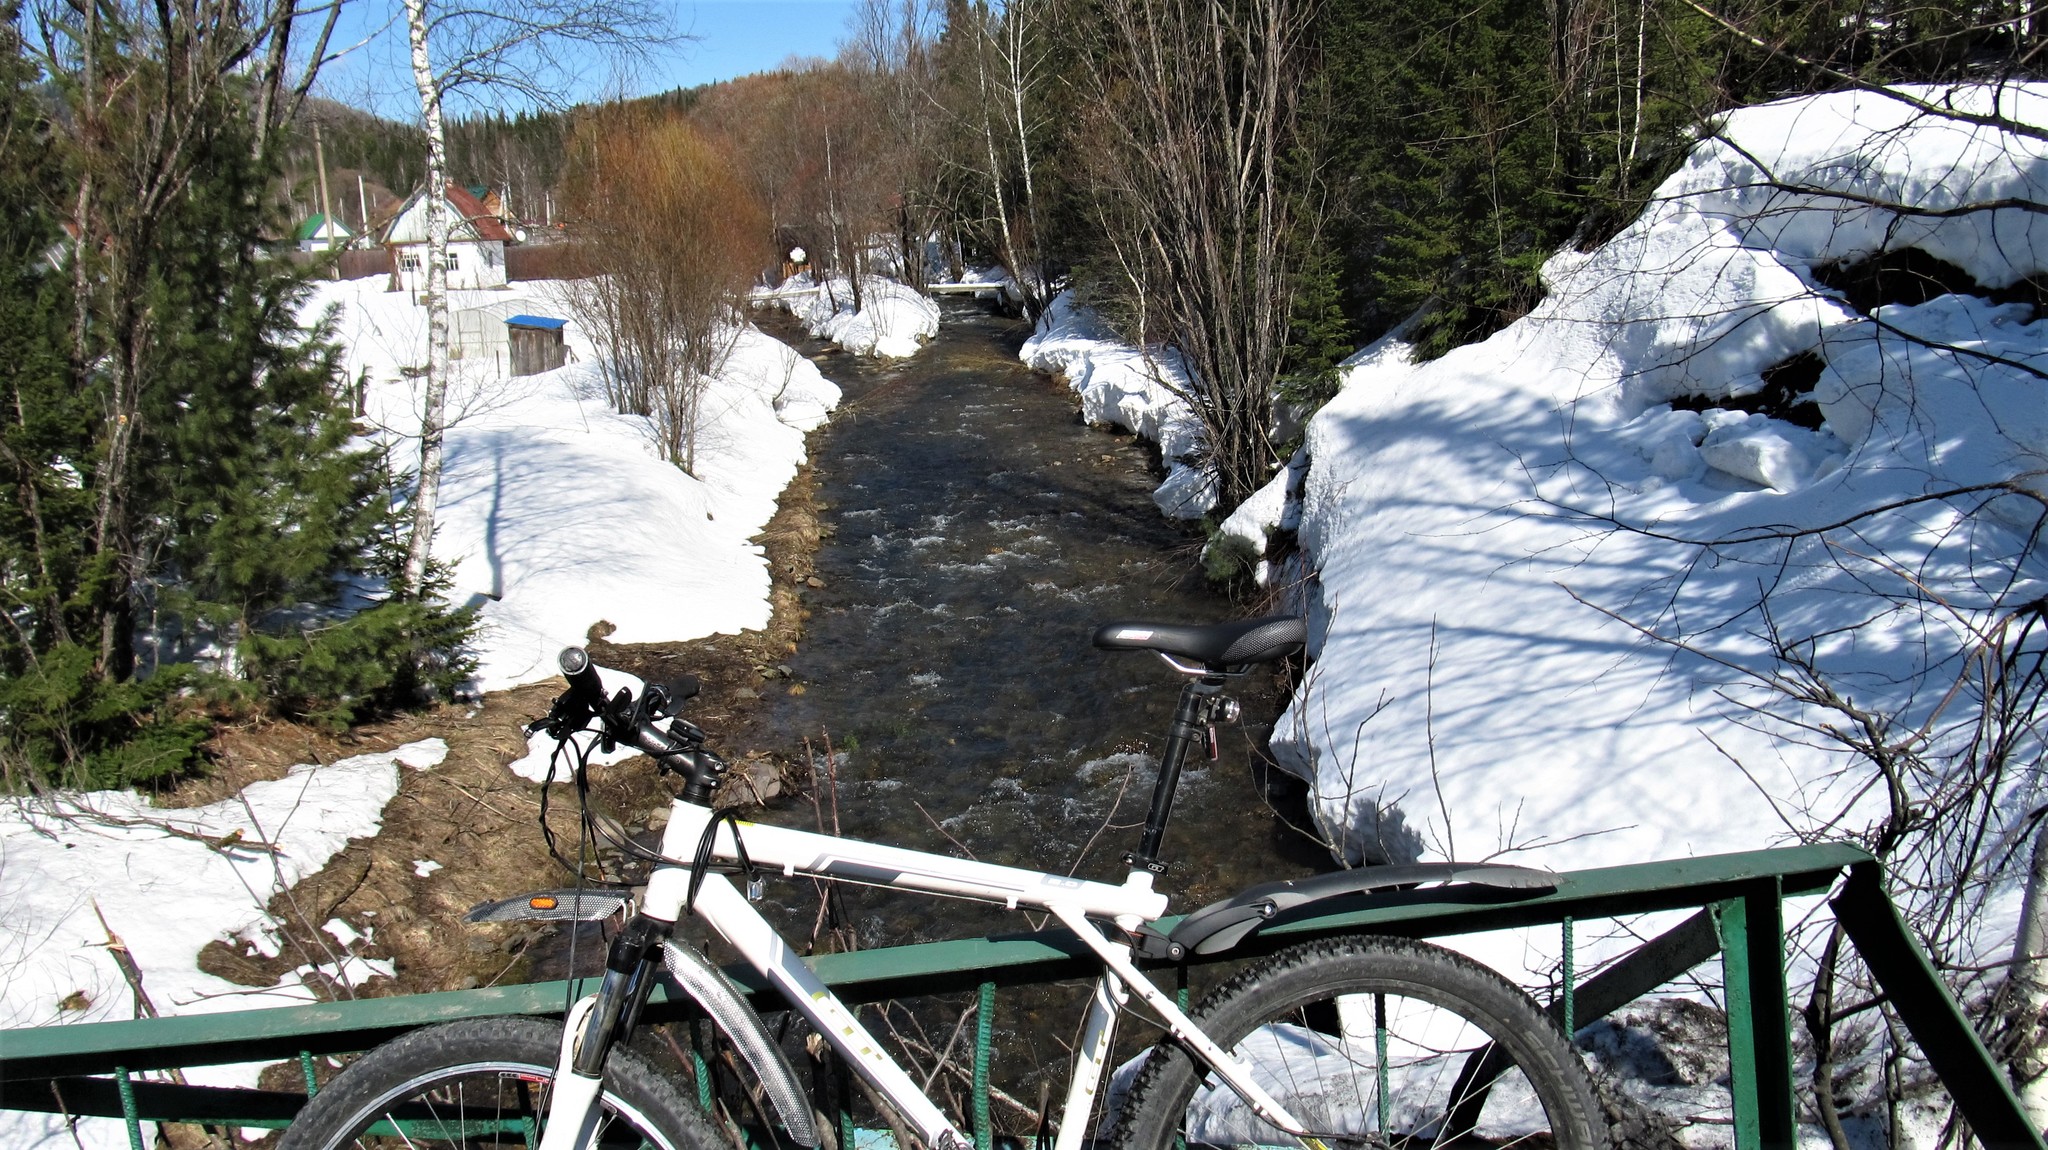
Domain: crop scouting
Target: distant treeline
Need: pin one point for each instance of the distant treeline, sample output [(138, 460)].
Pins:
[(520, 156)]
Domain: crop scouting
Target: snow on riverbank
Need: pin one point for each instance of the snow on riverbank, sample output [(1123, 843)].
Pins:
[(168, 882), (893, 321), (1132, 388), (556, 511), (1464, 702), (1504, 542)]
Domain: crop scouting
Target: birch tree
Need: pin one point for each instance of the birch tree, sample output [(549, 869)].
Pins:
[(531, 51), (1010, 62), (892, 54)]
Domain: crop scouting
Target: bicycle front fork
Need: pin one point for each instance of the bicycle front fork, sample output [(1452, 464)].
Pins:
[(628, 978), (594, 1024)]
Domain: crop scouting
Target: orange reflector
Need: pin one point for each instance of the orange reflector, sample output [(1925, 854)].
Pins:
[(543, 902)]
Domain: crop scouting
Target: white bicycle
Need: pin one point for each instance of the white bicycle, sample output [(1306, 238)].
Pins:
[(1348, 1041)]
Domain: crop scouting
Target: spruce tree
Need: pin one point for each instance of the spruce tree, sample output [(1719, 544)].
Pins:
[(184, 479), (1471, 140)]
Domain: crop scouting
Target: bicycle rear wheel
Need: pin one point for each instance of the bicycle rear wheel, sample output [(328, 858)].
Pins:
[(1371, 1042), (486, 1083)]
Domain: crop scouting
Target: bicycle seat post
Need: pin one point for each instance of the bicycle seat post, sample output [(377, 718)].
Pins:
[(1190, 722)]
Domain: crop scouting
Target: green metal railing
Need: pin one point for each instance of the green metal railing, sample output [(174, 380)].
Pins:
[(1739, 899)]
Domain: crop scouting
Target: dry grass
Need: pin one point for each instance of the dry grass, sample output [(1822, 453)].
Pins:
[(477, 819)]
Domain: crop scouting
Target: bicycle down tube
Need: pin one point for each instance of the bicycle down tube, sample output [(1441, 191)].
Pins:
[(793, 852)]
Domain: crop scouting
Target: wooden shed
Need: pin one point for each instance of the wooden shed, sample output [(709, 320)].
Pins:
[(537, 344)]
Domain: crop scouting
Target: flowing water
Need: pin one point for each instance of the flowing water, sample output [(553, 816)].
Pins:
[(977, 533)]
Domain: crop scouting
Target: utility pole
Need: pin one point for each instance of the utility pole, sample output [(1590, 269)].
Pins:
[(326, 206)]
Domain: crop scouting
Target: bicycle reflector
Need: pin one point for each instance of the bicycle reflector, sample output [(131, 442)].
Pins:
[(550, 906)]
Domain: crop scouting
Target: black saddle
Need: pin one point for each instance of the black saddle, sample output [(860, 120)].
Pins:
[(1218, 647)]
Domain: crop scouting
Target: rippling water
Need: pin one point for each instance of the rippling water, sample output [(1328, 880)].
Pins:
[(979, 533)]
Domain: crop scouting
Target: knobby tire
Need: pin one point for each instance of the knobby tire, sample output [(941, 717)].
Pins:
[(484, 1083), (1371, 1042)]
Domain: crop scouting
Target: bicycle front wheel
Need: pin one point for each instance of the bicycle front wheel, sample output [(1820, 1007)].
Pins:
[(1371, 1042), (486, 1083)]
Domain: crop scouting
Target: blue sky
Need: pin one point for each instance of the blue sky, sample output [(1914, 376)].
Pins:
[(742, 36), (730, 38)]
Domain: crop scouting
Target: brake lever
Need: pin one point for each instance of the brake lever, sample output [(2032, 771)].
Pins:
[(556, 721)]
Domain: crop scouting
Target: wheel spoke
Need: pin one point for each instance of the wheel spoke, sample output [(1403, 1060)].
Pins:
[(486, 1084), (1371, 1043)]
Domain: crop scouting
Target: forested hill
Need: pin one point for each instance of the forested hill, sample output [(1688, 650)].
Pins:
[(519, 154)]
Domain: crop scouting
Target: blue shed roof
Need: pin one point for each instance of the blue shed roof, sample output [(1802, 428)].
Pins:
[(539, 321)]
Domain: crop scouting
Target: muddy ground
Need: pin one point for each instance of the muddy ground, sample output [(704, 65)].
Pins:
[(480, 822)]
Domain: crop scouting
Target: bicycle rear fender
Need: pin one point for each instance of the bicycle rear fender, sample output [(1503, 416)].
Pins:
[(1222, 925)]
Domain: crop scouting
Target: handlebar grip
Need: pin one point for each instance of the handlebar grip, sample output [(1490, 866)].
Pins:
[(584, 685)]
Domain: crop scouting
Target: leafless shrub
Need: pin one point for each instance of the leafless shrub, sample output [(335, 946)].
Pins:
[(679, 239)]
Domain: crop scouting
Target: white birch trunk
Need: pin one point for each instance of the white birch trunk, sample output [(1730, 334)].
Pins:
[(2030, 985), (434, 408), (1032, 278), (988, 136)]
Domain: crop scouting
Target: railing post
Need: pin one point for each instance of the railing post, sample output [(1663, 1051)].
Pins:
[(699, 1067), (1759, 1018), (844, 1073), (126, 1089), (1932, 1016), (984, 1030), (1568, 1000)]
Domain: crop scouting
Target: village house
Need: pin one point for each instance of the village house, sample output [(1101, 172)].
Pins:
[(476, 243), (322, 233)]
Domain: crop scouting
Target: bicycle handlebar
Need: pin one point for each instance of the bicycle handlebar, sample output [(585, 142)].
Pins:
[(584, 685), (631, 721)]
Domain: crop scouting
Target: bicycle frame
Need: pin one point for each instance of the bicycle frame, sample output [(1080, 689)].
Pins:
[(804, 853)]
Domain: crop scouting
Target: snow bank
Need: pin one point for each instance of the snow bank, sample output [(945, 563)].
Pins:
[(556, 511), (894, 321), (1132, 388), (168, 882), (1464, 703)]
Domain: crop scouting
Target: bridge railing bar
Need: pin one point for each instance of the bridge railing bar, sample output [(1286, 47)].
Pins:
[(1739, 899)]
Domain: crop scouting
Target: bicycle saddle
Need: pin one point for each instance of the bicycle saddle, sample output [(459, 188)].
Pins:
[(1214, 645)]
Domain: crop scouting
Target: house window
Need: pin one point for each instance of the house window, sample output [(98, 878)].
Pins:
[(409, 263), (452, 264)]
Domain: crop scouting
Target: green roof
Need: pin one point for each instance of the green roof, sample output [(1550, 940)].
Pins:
[(310, 230)]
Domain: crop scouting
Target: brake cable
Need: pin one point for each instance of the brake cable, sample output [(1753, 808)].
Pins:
[(701, 862)]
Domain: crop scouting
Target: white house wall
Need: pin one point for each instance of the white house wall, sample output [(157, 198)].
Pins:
[(473, 264)]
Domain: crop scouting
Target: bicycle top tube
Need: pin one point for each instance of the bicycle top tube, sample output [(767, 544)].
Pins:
[(794, 852)]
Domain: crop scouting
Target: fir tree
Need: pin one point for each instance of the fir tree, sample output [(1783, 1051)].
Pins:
[(184, 479), (1469, 141)]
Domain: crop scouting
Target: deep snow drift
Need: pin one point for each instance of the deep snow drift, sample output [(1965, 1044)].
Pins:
[(1548, 603), (893, 321), (1132, 388), (556, 511), (1465, 702)]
